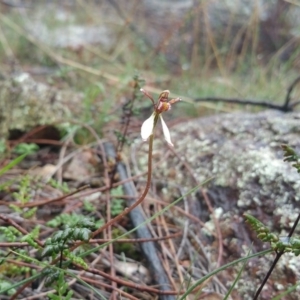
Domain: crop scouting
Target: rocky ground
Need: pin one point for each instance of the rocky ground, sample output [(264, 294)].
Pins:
[(241, 156)]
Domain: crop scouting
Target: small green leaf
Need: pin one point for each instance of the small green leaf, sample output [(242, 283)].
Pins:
[(12, 163), (5, 285), (86, 223), (67, 234), (57, 236), (85, 234), (295, 242), (29, 239), (69, 295), (53, 296), (89, 207), (47, 251), (24, 148)]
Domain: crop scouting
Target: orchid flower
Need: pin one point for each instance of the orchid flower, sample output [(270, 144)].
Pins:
[(163, 104)]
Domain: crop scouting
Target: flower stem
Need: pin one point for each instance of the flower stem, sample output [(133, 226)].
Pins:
[(142, 197)]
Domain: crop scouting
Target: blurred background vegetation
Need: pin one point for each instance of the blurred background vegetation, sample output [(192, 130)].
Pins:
[(233, 48)]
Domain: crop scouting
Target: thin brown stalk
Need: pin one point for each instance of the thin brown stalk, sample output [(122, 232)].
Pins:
[(165, 261), (19, 228), (44, 202), (172, 248), (140, 200), (110, 246), (96, 282), (144, 288)]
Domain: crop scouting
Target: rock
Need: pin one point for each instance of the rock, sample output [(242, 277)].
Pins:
[(73, 36), (241, 155), (25, 104), (221, 12), (242, 152)]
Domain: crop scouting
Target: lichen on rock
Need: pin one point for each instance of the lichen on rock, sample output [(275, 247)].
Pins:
[(25, 103), (242, 153)]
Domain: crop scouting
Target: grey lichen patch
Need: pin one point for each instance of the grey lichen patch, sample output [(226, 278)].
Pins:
[(25, 103), (242, 152), (288, 262)]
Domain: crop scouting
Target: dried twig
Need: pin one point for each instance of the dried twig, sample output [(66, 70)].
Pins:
[(285, 107), (288, 95), (266, 104), (19, 228)]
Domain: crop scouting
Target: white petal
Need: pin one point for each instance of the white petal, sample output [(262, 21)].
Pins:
[(166, 131), (147, 127)]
